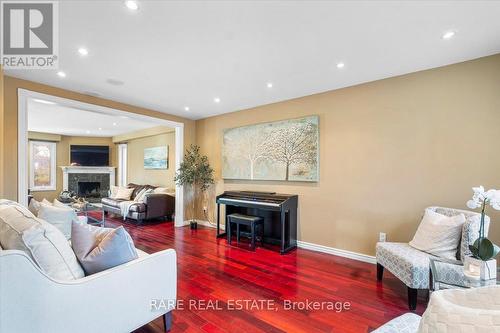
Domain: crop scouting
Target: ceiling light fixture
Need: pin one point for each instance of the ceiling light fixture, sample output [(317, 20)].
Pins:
[(43, 101), (61, 74), (340, 65), (115, 82), (448, 35), (83, 51), (269, 84), (132, 5), (186, 108), (100, 128), (217, 100), (114, 124)]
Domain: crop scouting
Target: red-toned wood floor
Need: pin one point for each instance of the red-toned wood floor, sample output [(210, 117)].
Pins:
[(210, 269)]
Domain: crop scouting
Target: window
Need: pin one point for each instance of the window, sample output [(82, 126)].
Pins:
[(122, 164), (42, 166)]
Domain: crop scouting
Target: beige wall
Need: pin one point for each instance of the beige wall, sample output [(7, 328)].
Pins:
[(387, 150), (63, 157), (135, 160), (9, 128)]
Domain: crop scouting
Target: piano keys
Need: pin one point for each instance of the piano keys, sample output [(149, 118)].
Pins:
[(279, 212)]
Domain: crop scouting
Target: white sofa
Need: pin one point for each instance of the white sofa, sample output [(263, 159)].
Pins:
[(116, 300)]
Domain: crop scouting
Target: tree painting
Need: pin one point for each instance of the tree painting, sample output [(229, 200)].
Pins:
[(284, 150)]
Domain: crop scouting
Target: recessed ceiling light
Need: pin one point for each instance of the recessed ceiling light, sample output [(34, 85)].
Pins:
[(100, 128), (132, 5), (115, 82), (186, 108), (83, 51), (340, 65), (43, 101), (269, 84), (61, 74), (114, 124), (448, 34), (217, 100)]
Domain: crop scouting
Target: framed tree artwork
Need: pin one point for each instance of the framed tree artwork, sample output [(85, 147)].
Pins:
[(284, 150)]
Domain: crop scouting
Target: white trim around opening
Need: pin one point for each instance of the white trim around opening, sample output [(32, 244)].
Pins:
[(22, 147)]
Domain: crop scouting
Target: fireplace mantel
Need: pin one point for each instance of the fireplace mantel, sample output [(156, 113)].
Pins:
[(87, 169)]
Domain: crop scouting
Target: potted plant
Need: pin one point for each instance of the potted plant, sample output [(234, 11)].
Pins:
[(196, 172), (482, 263)]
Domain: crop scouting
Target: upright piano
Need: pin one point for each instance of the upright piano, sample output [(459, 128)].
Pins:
[(278, 210)]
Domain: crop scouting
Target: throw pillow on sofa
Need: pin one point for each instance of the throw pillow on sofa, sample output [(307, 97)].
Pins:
[(439, 234), (99, 248), (123, 193), (59, 217), (141, 197), (34, 206), (41, 241)]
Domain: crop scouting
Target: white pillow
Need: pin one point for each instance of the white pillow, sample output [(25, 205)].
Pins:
[(34, 206), (46, 202), (59, 217), (114, 190), (123, 193), (44, 243), (57, 203), (439, 234), (99, 248)]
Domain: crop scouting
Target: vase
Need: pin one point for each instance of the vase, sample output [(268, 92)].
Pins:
[(478, 269)]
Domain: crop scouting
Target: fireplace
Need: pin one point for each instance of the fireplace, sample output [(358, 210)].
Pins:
[(93, 183), (89, 190)]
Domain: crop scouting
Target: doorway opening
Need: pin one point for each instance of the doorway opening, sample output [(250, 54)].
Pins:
[(28, 100)]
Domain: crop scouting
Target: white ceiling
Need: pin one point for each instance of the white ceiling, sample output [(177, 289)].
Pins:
[(185, 53), (64, 120)]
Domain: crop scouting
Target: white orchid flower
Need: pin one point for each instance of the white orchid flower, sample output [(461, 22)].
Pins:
[(478, 190), (481, 197), (495, 200), (473, 204), (490, 194)]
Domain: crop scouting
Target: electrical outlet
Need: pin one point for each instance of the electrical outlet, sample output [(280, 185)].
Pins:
[(204, 209), (382, 237)]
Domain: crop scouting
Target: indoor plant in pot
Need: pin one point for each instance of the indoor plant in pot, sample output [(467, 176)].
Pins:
[(482, 263), (196, 172)]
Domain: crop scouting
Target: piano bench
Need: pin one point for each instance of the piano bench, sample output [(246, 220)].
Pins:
[(247, 220)]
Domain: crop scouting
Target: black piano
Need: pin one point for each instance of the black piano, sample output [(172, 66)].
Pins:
[(278, 210)]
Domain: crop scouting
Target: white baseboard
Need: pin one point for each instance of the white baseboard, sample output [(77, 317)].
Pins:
[(337, 252), (315, 247)]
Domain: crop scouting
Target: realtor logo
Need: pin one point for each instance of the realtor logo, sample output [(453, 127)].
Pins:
[(29, 34)]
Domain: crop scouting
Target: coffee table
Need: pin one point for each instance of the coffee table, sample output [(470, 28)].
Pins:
[(448, 274), (84, 210)]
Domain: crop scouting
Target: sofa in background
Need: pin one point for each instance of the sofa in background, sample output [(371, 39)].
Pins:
[(155, 205)]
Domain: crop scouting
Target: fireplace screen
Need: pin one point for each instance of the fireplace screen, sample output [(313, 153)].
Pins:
[(89, 189)]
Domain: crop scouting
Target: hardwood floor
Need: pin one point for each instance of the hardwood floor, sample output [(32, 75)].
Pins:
[(209, 269)]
